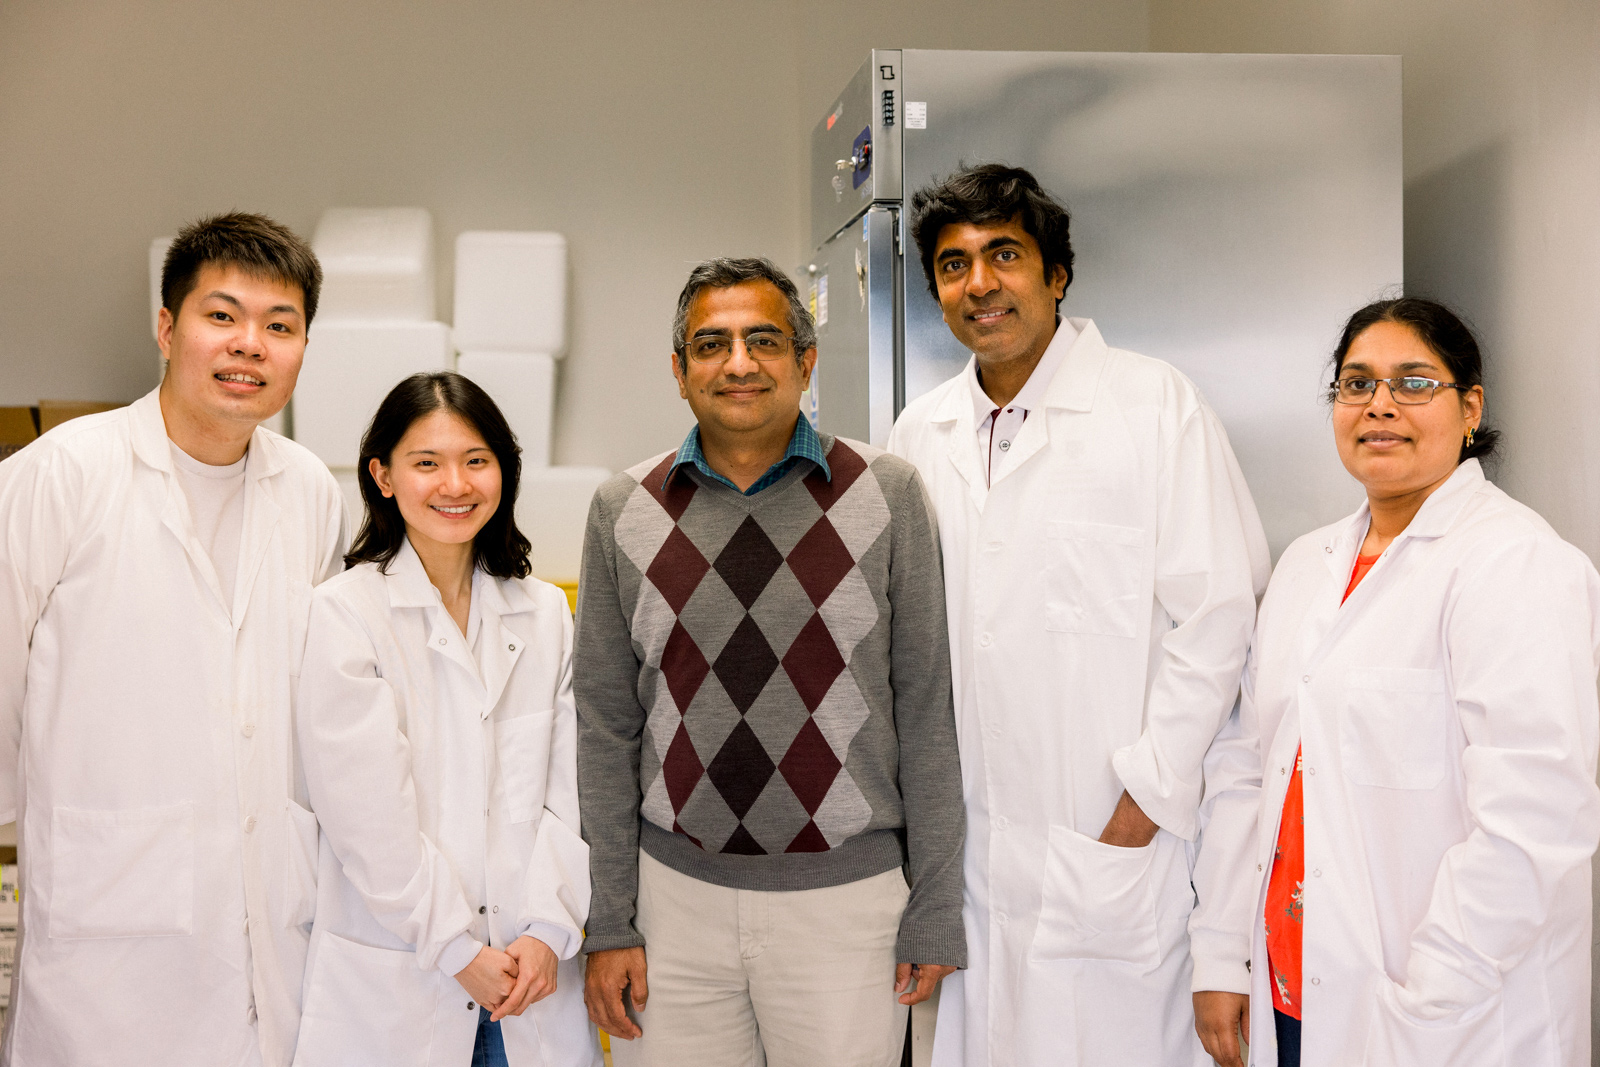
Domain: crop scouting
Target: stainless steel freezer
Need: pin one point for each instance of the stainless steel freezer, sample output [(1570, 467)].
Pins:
[(1228, 213)]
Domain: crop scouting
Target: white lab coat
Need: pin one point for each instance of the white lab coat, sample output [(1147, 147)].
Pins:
[(1448, 714), (449, 806), (1101, 595), (146, 748)]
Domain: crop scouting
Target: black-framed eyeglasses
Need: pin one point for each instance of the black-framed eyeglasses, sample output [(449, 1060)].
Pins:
[(1406, 390), (762, 345)]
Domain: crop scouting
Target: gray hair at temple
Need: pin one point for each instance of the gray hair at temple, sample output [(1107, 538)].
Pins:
[(725, 273)]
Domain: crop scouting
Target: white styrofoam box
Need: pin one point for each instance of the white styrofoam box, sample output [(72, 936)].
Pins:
[(511, 291), (377, 264), (349, 368), (523, 385), (158, 258), (552, 507)]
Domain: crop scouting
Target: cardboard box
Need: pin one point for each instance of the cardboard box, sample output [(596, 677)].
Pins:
[(53, 413)]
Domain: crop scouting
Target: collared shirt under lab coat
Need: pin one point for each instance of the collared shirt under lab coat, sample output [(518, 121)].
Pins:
[(1101, 595), (1450, 730), (146, 748), (446, 786)]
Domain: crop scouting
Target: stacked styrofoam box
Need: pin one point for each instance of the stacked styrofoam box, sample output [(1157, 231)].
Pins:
[(158, 259), (375, 326), (510, 328)]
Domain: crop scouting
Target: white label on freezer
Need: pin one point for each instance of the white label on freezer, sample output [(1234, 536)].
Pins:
[(822, 300), (916, 114)]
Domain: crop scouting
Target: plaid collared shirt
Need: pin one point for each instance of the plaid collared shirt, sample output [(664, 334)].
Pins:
[(804, 444)]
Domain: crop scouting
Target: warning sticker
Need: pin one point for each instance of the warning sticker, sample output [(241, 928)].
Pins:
[(916, 114)]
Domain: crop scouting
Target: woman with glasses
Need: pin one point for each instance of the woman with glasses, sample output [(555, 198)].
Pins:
[(439, 740), (1403, 809)]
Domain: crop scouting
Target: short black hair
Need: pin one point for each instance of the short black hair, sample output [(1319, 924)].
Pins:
[(500, 549), (253, 243), (1446, 336), (987, 194)]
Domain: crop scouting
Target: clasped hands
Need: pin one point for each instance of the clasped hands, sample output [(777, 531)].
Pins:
[(507, 982)]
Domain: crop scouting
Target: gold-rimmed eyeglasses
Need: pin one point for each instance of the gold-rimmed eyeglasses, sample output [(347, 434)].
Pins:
[(761, 345)]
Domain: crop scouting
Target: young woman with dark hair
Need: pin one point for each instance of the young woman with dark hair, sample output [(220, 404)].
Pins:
[(437, 732), (1409, 780)]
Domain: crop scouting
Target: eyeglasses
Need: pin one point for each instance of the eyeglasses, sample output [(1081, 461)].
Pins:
[(763, 345), (1406, 390)]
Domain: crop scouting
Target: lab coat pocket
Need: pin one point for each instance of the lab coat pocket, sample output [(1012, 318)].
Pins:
[(1097, 902), (122, 873), (1392, 733), (366, 1007), (523, 745), (1393, 1037), (300, 867), (1091, 579), (298, 606)]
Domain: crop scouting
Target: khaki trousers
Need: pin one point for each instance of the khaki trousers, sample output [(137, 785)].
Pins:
[(741, 978)]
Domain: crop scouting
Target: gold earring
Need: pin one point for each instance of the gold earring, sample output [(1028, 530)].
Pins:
[(1470, 432)]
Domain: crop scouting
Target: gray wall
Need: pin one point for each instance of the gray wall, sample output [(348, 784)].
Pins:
[(654, 134)]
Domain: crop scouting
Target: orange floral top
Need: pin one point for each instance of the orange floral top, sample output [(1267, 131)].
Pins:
[(1285, 911)]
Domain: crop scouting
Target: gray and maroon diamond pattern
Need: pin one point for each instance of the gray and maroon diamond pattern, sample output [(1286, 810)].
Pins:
[(751, 628)]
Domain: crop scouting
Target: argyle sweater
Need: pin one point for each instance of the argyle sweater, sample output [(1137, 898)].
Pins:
[(763, 690)]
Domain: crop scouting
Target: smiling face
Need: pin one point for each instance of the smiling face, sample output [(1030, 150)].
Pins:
[(995, 293), (233, 351), (1396, 450), (444, 477), (742, 395)]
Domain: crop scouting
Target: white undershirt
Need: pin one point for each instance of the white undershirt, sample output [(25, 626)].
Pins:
[(216, 510), (998, 427)]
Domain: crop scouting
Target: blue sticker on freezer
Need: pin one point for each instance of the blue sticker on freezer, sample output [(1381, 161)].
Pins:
[(861, 156)]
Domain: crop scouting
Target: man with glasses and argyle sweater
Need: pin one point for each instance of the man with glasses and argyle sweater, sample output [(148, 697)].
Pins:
[(767, 763)]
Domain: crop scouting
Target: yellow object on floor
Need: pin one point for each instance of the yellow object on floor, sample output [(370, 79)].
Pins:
[(605, 1046)]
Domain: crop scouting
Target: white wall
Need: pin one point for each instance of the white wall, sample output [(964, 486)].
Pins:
[(1502, 143), (654, 133)]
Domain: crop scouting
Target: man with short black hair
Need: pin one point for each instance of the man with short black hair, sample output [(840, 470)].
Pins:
[(1102, 557), (766, 752), (156, 565)]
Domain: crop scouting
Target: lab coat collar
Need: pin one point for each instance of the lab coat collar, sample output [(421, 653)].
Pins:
[(1434, 519), (1072, 388), (154, 448)]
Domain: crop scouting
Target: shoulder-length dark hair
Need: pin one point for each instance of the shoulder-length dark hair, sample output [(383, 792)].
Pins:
[(1446, 337), (500, 549)]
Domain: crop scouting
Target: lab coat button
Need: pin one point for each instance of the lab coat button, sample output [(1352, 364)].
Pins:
[(248, 729), (497, 909), (1303, 677), (444, 640), (249, 824), (470, 1005), (1311, 770), (1001, 918), (1316, 981), (1002, 824), (511, 648), (986, 640), (1005, 446), (482, 909), (1258, 868), (1316, 874)]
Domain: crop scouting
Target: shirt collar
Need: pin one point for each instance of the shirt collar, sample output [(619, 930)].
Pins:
[(1032, 393), (804, 443)]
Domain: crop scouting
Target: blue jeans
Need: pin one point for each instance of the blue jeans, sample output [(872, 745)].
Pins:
[(490, 1048), (1288, 1028)]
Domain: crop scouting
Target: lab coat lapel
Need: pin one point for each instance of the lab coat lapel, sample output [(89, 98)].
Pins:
[(1071, 389), (261, 515), (150, 444), (501, 646), (954, 417), (408, 586)]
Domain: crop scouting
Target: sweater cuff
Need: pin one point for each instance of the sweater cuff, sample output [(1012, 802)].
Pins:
[(942, 944), (459, 953), (1221, 962), (605, 942)]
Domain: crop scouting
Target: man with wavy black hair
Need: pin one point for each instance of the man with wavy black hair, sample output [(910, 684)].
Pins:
[(156, 565), (1101, 558)]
